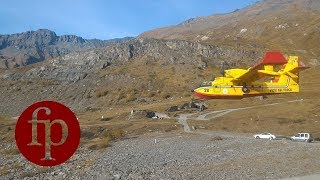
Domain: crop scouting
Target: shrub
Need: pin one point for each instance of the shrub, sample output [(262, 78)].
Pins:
[(12, 151), (217, 138), (186, 94), (299, 121), (165, 95), (86, 134), (120, 96), (284, 121), (101, 93), (113, 134), (106, 138), (317, 139), (104, 143), (151, 94), (130, 97)]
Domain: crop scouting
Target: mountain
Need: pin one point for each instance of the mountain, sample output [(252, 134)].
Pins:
[(135, 71), (160, 68), (290, 26), (25, 48), (159, 65)]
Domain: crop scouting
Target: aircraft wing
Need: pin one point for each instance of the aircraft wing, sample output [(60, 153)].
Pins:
[(249, 76), (252, 74), (268, 73)]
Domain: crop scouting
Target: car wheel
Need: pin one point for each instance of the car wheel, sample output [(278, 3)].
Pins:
[(257, 137), (270, 138)]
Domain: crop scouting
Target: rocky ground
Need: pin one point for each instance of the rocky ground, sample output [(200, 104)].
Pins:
[(199, 155)]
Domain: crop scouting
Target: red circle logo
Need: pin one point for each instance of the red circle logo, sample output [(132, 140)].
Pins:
[(47, 133)]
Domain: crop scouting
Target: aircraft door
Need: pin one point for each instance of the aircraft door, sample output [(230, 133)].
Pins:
[(216, 89)]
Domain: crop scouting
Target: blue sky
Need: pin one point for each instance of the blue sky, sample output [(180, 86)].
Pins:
[(106, 19)]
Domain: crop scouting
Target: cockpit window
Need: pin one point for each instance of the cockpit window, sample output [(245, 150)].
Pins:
[(206, 83)]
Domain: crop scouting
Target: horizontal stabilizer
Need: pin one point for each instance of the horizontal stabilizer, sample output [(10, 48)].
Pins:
[(302, 67), (291, 75)]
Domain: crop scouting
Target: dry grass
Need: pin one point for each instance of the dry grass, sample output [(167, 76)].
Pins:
[(131, 95), (102, 144), (156, 81), (88, 163), (165, 95), (282, 119), (113, 134), (100, 138), (97, 134), (150, 94), (217, 138), (300, 36), (101, 93), (4, 170), (285, 119), (7, 126), (12, 151)]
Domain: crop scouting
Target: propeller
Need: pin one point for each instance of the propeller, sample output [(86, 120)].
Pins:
[(224, 66)]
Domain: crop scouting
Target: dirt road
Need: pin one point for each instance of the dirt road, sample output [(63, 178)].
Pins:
[(215, 114)]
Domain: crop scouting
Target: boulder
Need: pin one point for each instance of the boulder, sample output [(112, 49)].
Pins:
[(185, 106), (201, 106), (161, 115), (193, 105), (173, 109), (150, 114)]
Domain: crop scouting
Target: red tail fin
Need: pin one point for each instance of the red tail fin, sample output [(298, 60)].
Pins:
[(271, 58)]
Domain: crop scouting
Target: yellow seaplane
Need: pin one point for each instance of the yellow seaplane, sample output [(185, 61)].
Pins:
[(273, 75)]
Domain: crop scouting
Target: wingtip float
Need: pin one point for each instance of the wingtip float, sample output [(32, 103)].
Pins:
[(240, 83)]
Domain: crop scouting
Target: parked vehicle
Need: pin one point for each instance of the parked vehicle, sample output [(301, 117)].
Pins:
[(305, 137), (265, 136)]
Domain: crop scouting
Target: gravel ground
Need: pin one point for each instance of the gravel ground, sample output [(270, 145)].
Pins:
[(17, 167), (202, 156), (180, 156)]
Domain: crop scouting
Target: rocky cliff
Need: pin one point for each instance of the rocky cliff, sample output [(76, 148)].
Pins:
[(75, 66), (21, 49)]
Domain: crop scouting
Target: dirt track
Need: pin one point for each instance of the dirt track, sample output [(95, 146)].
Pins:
[(183, 118)]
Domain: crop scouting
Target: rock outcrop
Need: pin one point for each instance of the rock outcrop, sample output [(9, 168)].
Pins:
[(75, 66), (21, 49)]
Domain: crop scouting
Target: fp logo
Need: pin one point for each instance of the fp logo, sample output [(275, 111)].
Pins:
[(47, 133)]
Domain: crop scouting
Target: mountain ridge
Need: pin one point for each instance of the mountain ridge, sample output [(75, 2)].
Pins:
[(29, 47), (150, 69), (285, 25)]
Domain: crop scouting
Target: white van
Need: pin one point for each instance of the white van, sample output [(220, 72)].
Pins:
[(306, 137)]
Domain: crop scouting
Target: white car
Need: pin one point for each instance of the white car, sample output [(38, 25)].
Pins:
[(265, 136)]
